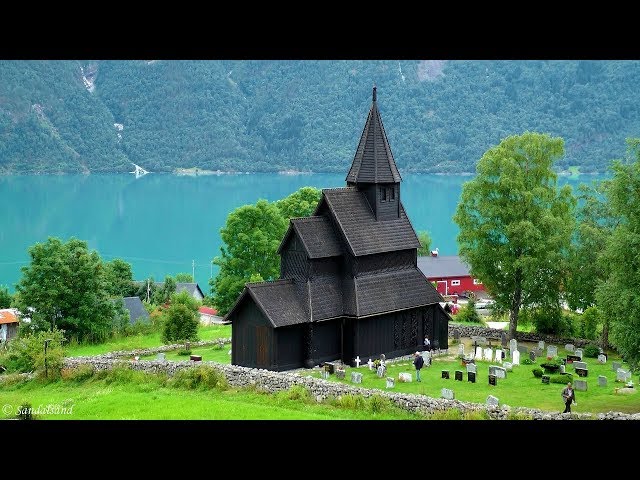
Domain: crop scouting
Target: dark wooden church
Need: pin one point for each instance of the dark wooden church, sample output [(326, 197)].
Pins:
[(349, 285)]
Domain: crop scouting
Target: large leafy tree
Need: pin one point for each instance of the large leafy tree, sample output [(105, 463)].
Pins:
[(184, 278), (5, 297), (515, 224), (250, 238), (162, 294), (425, 243), (119, 278), (181, 322), (64, 286), (618, 296), (300, 203)]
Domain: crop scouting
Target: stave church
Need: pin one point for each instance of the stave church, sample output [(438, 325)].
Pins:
[(349, 285)]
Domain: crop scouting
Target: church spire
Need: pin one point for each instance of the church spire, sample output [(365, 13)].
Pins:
[(373, 161)]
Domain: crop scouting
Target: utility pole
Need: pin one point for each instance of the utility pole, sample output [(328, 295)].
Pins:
[(148, 290), (193, 270)]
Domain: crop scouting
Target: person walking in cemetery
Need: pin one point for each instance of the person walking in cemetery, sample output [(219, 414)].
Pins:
[(569, 397), (418, 362)]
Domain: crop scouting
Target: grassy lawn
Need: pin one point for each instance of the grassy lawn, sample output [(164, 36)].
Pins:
[(208, 354), (210, 332), (519, 389), (147, 399)]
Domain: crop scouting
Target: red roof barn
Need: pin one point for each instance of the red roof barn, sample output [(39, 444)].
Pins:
[(451, 274)]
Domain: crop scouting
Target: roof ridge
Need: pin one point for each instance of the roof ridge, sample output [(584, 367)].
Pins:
[(339, 189), (265, 283), (308, 219)]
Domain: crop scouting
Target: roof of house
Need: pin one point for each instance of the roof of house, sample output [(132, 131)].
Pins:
[(396, 290), (317, 236), (373, 161), (443, 266), (190, 287), (365, 235), (326, 297), (8, 315), (136, 309), (208, 310), (279, 301)]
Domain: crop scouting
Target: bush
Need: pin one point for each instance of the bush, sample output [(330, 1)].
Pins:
[(591, 351), (547, 320), (78, 374), (200, 377), (537, 372), (353, 402), (468, 313), (526, 361), (26, 353), (184, 352), (180, 324), (590, 321), (379, 404), (561, 378), (298, 392)]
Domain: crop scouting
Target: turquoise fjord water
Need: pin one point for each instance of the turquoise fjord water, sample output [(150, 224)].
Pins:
[(161, 223)]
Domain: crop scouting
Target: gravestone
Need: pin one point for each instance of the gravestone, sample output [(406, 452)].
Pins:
[(461, 349), (492, 369), (478, 353), (577, 365), (515, 358), (391, 382), (382, 371), (552, 351), (447, 394), (615, 366), (563, 369), (513, 344), (340, 374), (578, 353), (602, 359), (492, 401), (329, 367), (573, 358), (532, 356), (508, 366), (471, 367), (356, 377), (370, 364), (493, 380), (195, 358), (471, 377), (541, 344), (501, 372), (445, 374), (523, 349), (545, 379), (622, 375), (503, 339), (499, 356), (580, 385), (602, 381), (357, 361), (458, 375), (482, 341), (426, 356), (570, 347), (488, 354), (161, 357), (456, 334), (539, 351), (324, 374), (405, 377), (582, 372)]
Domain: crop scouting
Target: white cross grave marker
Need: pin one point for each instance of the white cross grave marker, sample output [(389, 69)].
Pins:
[(357, 360), (370, 363)]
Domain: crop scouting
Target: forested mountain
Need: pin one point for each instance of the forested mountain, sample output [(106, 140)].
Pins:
[(440, 116)]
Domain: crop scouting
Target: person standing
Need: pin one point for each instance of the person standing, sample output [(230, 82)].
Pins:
[(418, 362), (569, 397), (427, 344)]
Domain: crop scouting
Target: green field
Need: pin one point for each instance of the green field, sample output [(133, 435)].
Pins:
[(208, 354), (142, 341)]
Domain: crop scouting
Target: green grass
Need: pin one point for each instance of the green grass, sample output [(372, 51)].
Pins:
[(151, 340), (138, 396), (208, 353), (519, 389)]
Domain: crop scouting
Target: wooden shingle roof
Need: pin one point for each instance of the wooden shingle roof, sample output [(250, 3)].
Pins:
[(398, 290), (326, 297), (373, 161), (279, 301), (317, 236), (364, 234)]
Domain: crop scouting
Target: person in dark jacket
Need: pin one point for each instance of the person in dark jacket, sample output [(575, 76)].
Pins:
[(418, 362), (569, 397)]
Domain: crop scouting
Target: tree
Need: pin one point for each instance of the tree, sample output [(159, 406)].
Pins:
[(515, 224), (162, 294), (250, 237), (301, 203), (618, 296), (65, 285), (180, 324), (184, 278), (425, 243), (5, 297), (119, 278), (26, 353)]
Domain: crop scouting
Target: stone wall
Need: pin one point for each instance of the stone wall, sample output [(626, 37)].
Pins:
[(322, 389), (468, 331)]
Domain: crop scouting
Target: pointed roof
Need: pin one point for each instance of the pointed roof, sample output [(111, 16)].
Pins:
[(373, 162)]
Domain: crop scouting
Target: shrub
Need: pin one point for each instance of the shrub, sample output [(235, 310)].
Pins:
[(526, 361), (537, 372), (353, 402), (78, 374), (591, 351), (468, 313), (519, 415), (26, 353), (184, 352), (180, 324), (561, 378), (379, 404), (201, 377), (547, 320), (590, 320), (298, 392)]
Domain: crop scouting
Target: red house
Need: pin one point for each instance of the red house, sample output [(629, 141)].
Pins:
[(451, 274)]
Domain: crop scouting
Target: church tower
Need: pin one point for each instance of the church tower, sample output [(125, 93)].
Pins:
[(374, 171)]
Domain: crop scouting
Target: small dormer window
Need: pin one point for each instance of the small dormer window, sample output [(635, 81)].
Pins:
[(384, 194)]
